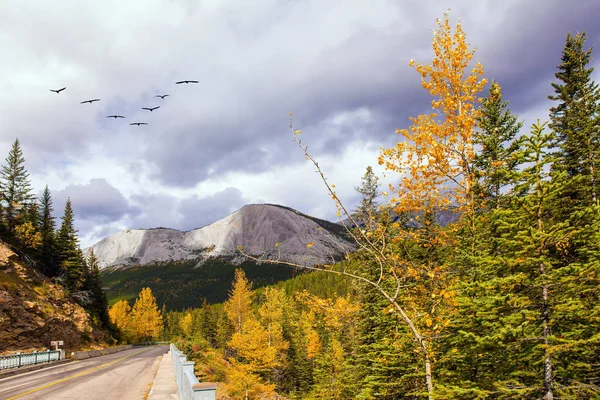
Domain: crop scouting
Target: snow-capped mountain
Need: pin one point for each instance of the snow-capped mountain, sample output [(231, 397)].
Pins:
[(257, 228)]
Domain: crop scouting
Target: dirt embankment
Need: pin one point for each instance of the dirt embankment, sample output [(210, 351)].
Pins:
[(35, 311)]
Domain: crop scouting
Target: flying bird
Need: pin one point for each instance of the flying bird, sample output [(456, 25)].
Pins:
[(138, 123), (90, 101), (161, 96), (177, 83), (115, 116), (57, 91), (150, 109)]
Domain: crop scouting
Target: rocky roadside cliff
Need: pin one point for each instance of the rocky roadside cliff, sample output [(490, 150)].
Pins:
[(35, 311)]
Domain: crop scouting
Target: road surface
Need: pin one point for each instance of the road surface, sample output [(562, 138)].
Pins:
[(126, 375)]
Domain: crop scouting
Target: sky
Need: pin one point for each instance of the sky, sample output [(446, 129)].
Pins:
[(341, 66)]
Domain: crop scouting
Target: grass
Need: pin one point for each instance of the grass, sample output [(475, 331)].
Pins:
[(179, 285)]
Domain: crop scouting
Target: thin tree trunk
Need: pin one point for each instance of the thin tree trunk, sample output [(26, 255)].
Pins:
[(422, 345), (547, 362), (548, 395)]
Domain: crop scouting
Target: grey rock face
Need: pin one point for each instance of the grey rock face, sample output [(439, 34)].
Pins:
[(257, 228)]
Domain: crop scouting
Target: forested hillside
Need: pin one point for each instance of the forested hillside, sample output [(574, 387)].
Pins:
[(503, 303), (48, 286)]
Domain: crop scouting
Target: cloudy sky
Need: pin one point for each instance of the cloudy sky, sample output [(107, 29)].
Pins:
[(341, 66)]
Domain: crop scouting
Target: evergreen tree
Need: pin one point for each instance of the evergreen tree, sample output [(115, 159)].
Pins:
[(576, 121), (15, 187), (367, 210), (495, 164), (69, 255), (94, 285), (48, 251)]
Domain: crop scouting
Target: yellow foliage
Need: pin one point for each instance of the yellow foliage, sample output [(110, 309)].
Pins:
[(436, 155), (185, 323), (27, 236), (239, 305), (258, 346), (119, 315), (243, 383), (146, 319), (313, 344)]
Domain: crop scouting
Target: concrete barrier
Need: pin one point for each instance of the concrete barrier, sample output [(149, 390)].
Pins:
[(188, 386), (82, 355)]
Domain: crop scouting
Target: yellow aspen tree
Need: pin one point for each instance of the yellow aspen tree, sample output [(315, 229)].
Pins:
[(239, 305), (120, 316), (146, 318)]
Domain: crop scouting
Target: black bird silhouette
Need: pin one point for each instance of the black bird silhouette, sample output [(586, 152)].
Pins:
[(115, 116), (90, 101), (57, 91), (161, 96), (138, 123), (150, 109), (177, 83)]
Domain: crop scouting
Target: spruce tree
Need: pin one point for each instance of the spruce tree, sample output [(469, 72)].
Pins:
[(575, 120), (367, 210), (15, 186), (94, 284), (496, 162), (69, 255), (48, 250)]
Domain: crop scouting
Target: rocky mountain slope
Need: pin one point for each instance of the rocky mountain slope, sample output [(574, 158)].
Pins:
[(35, 311), (257, 228)]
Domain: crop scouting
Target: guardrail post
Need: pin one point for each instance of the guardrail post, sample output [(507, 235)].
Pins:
[(19, 354)]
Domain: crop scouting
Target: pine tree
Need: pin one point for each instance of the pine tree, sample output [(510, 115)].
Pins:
[(48, 251), (367, 210), (15, 186), (146, 319), (69, 255), (576, 121)]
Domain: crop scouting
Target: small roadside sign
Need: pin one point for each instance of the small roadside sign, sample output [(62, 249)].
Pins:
[(56, 343)]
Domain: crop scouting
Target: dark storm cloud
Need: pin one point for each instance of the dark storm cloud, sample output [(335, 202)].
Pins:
[(96, 202)]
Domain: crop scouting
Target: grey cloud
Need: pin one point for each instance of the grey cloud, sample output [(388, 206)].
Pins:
[(197, 212), (96, 202)]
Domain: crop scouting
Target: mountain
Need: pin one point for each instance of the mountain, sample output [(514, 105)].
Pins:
[(257, 228), (184, 268), (35, 311)]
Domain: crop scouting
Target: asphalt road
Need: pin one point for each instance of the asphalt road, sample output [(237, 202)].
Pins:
[(126, 375)]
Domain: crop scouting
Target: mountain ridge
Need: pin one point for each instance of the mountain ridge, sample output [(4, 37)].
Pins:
[(255, 227)]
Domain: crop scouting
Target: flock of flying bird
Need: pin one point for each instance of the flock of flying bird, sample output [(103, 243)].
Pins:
[(115, 116)]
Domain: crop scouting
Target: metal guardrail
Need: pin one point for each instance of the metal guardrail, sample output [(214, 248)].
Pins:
[(188, 386), (18, 360)]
